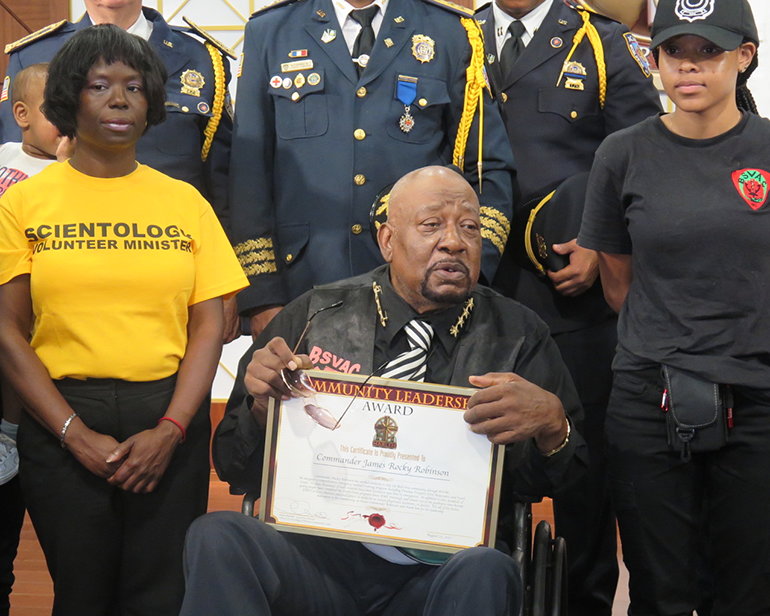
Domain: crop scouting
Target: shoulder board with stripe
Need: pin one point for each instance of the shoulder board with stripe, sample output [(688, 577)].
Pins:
[(42, 33), (451, 6), (205, 35), (271, 5)]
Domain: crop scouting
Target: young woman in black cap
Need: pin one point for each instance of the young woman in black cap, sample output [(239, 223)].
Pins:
[(677, 208)]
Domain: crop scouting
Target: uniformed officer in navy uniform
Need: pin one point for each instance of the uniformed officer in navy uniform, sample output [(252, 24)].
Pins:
[(193, 144), (325, 122), (558, 104)]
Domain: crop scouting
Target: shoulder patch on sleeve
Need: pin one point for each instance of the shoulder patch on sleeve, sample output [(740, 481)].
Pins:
[(451, 6), (637, 53), (206, 36), (271, 5), (39, 34)]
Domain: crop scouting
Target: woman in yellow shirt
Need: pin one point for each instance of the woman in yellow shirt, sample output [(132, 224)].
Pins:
[(118, 272)]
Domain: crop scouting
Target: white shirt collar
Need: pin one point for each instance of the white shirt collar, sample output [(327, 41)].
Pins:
[(142, 27), (531, 22), (351, 27)]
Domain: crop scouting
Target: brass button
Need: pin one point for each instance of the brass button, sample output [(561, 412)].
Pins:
[(185, 109), (295, 96), (504, 96), (573, 114), (422, 102), (359, 134), (361, 92), (359, 179), (289, 258), (356, 229)]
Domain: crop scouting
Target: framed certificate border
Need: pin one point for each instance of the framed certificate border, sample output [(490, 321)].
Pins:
[(442, 405)]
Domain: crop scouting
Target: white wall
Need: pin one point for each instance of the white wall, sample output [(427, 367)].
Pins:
[(760, 81)]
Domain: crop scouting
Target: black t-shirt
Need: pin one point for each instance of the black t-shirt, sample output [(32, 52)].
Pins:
[(693, 214)]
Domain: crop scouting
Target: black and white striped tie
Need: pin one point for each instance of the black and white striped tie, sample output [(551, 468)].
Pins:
[(412, 364)]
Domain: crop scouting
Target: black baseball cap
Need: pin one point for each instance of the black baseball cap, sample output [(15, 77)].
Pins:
[(726, 23)]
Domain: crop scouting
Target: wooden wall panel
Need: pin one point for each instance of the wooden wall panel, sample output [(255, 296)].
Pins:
[(20, 17)]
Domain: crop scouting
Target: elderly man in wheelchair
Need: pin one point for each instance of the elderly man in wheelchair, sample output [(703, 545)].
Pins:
[(421, 317)]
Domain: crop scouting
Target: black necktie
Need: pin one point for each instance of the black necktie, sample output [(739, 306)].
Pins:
[(412, 364), (362, 48), (513, 47)]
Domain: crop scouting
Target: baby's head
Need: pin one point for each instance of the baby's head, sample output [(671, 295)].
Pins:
[(39, 137)]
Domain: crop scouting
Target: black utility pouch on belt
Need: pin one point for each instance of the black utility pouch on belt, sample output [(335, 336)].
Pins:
[(697, 412)]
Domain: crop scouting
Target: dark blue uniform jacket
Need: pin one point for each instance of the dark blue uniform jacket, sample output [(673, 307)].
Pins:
[(313, 146), (554, 131)]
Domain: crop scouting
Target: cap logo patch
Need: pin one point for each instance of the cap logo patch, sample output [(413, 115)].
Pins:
[(694, 10), (751, 184)]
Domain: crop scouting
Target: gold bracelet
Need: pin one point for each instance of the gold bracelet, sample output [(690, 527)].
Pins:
[(563, 444)]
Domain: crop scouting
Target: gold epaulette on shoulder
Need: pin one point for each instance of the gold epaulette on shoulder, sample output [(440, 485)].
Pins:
[(271, 5), (205, 35), (623, 11), (42, 33), (580, 5), (451, 6)]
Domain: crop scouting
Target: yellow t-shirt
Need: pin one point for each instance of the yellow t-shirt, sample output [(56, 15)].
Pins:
[(114, 264)]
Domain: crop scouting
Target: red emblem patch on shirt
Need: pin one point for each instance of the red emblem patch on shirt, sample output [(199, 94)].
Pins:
[(751, 184)]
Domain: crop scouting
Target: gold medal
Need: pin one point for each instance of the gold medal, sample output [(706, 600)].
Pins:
[(299, 80), (313, 79)]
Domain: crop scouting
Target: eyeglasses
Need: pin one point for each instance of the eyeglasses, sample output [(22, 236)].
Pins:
[(300, 385)]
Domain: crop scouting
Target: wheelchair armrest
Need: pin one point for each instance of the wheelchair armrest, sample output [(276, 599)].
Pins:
[(247, 505)]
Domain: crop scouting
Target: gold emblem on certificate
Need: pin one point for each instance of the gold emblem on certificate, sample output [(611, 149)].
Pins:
[(192, 82), (385, 430), (423, 47)]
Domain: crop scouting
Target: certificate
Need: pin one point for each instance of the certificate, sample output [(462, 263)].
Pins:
[(380, 461)]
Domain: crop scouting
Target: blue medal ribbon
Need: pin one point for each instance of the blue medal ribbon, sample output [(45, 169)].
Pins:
[(406, 91)]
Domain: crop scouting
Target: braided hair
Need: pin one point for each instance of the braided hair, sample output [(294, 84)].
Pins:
[(743, 96)]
